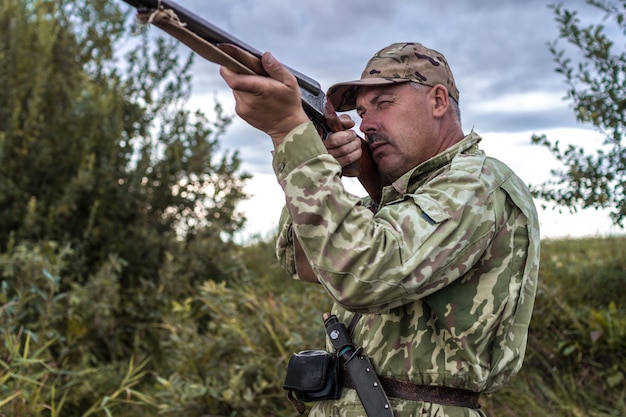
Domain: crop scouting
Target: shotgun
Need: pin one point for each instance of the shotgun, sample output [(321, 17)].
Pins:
[(218, 46)]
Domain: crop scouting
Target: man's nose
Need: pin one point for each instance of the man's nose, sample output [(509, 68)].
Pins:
[(367, 124)]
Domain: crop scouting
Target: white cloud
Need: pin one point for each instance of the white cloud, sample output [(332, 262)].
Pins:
[(532, 101), (263, 208)]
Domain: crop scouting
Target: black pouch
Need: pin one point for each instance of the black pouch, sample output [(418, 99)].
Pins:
[(313, 375)]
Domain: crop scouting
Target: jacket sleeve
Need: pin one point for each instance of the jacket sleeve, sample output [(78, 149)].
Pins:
[(285, 253)]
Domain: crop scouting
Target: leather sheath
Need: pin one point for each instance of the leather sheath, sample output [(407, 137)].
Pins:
[(360, 370)]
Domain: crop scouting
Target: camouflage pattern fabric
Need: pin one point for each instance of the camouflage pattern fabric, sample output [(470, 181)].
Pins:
[(444, 271)]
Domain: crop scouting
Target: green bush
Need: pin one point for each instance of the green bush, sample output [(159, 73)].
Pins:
[(235, 363), (222, 350), (48, 366)]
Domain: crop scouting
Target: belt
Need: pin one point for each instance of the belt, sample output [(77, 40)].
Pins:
[(427, 393)]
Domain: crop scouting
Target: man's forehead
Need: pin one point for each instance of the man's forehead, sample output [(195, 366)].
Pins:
[(369, 94)]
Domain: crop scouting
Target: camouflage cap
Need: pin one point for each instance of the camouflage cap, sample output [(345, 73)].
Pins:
[(397, 63)]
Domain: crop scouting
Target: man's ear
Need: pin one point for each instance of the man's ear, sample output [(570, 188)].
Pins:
[(441, 99)]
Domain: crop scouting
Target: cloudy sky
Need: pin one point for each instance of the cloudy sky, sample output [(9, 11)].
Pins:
[(497, 50)]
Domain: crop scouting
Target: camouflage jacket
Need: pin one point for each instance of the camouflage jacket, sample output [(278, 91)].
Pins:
[(444, 271)]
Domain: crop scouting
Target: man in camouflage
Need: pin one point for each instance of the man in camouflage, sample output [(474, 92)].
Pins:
[(441, 259)]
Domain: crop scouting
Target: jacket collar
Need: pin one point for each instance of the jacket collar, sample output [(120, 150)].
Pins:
[(409, 181)]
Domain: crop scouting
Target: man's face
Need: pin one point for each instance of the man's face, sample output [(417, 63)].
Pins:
[(399, 126)]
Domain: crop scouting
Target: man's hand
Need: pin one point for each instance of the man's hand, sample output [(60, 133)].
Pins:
[(345, 147), (370, 178), (271, 104)]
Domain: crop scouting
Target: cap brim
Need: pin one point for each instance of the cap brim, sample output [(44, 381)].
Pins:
[(343, 95)]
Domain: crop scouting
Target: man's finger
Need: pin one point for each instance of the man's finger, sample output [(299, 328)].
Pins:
[(344, 138), (239, 82), (277, 71), (347, 121)]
